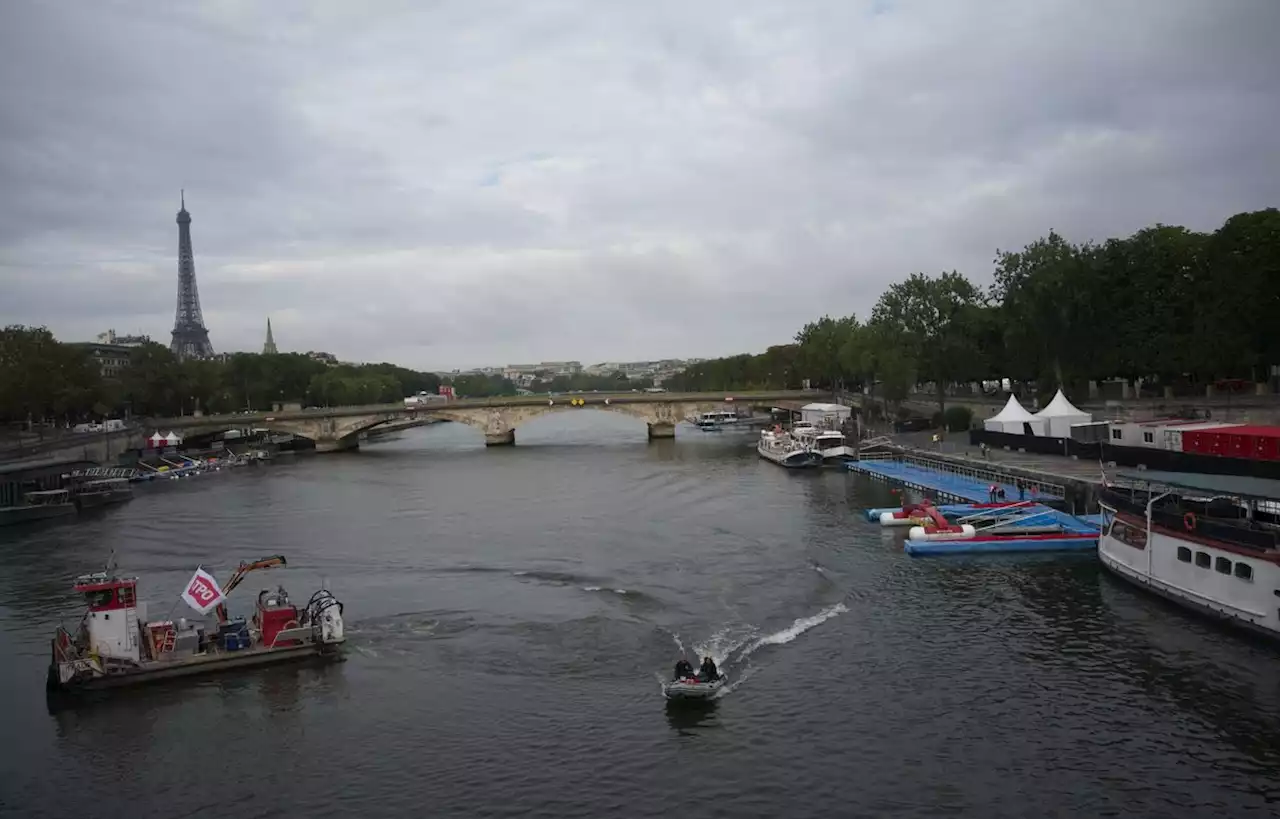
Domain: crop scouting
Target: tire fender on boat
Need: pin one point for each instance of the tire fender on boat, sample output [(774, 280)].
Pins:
[(1189, 521)]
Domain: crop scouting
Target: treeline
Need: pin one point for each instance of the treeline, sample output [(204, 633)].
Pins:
[(44, 380), (1167, 305), (484, 386)]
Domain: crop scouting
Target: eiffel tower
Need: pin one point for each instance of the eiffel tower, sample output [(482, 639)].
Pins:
[(190, 338)]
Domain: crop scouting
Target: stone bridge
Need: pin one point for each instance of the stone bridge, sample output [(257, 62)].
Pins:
[(339, 428)]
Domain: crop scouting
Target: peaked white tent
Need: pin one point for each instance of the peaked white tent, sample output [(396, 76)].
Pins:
[(1060, 414), (172, 439), (156, 440), (1013, 418)]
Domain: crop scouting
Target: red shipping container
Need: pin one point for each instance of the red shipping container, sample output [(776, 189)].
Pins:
[(1246, 441)]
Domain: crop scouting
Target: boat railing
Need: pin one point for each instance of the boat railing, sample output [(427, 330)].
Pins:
[(877, 456)]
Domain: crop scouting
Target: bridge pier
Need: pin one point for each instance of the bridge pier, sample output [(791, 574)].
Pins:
[(342, 444), (507, 438), (661, 430)]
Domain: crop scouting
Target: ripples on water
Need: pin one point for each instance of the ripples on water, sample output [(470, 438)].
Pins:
[(512, 613)]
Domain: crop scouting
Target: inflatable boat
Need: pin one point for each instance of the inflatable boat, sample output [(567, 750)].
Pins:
[(692, 688)]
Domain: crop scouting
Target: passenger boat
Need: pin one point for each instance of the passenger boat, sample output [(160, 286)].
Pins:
[(1210, 543), (716, 420), (116, 645), (779, 447), (693, 688), (829, 443), (101, 492), (53, 503)]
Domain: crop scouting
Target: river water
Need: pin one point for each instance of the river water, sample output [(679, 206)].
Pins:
[(511, 613)]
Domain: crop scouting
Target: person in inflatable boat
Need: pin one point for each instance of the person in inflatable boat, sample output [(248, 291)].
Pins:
[(708, 670), (684, 670)]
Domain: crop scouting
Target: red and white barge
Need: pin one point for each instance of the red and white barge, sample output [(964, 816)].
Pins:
[(116, 645)]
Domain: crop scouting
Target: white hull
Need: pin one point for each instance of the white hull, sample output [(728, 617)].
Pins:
[(1221, 589), (790, 458), (838, 455), (692, 689)]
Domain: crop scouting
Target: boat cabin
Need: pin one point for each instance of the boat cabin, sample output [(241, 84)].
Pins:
[(717, 418), (113, 616), (51, 497)]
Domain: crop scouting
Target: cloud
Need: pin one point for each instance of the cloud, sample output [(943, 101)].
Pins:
[(453, 184)]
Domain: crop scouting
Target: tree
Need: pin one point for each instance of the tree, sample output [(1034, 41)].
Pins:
[(935, 319)]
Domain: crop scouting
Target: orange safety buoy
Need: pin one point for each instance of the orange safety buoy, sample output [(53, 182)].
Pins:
[(1189, 521)]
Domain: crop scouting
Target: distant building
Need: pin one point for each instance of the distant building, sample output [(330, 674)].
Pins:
[(269, 348), (111, 352), (325, 358)]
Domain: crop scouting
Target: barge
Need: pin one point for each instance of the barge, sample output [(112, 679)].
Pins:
[(116, 645)]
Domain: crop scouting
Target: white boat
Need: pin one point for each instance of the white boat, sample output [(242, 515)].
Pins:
[(830, 443), (693, 688), (715, 420), (784, 450), (1208, 542)]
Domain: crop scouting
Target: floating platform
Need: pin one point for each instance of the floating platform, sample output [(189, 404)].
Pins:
[(1004, 543), (937, 483)]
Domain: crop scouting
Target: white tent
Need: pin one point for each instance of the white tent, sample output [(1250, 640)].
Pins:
[(1013, 418), (1060, 414), (156, 440), (172, 439)]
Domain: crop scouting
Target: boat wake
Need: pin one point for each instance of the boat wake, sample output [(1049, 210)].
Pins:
[(733, 645)]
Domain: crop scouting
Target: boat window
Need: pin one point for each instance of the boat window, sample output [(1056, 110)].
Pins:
[(1244, 571), (1148, 438), (1222, 565), (1115, 434), (1184, 554), (98, 598), (126, 596), (1129, 535), (1202, 560)]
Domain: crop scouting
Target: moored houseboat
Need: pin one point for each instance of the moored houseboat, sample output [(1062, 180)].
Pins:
[(1208, 542), (89, 494), (779, 447), (52, 503)]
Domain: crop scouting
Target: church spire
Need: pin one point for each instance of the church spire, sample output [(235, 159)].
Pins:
[(270, 347)]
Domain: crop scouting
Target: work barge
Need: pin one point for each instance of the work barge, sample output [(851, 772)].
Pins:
[(115, 645)]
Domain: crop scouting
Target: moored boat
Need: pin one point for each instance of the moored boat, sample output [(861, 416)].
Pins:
[(716, 420), (101, 492), (1210, 543), (779, 447), (116, 645), (829, 443), (53, 503)]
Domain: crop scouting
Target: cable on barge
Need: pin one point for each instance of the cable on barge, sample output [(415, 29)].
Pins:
[(116, 645)]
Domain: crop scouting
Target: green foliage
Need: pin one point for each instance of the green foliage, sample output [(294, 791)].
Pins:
[(957, 419), (482, 386), (614, 382), (41, 379), (1166, 304)]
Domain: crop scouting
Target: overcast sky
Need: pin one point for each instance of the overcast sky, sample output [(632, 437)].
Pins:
[(453, 184)]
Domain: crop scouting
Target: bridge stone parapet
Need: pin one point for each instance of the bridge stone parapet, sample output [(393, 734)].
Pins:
[(498, 424), (339, 428)]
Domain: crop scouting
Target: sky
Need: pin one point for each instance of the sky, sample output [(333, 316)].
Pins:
[(457, 184)]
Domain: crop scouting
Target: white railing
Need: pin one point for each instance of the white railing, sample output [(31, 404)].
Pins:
[(984, 475)]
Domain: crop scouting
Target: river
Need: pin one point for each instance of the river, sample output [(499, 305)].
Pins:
[(511, 613)]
